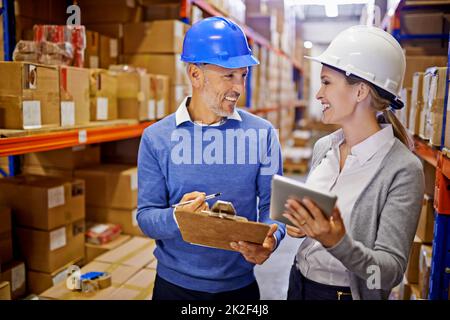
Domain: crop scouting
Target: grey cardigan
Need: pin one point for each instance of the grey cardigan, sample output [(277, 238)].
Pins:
[(383, 222)]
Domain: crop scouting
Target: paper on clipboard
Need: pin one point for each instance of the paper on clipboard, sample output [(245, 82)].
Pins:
[(212, 231)]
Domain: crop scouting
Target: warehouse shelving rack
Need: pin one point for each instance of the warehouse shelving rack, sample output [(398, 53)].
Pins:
[(12, 147), (439, 281)]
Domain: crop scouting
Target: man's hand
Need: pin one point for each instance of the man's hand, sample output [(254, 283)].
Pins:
[(198, 205), (254, 253)]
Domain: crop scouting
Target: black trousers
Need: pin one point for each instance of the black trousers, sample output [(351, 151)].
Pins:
[(164, 290), (301, 288)]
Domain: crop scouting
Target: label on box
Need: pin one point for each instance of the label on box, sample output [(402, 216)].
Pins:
[(82, 136), (160, 109), (131, 3), (134, 222), (113, 48), (55, 197), (67, 113), (17, 277), (134, 181), (60, 277), (57, 238), (93, 62), (31, 112), (178, 30), (102, 108), (151, 109)]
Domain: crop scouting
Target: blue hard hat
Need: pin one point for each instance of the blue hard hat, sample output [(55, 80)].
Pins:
[(217, 41)]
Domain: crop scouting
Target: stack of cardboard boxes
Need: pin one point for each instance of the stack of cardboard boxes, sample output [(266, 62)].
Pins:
[(132, 269), (50, 233), (111, 195), (12, 273), (156, 46), (415, 284)]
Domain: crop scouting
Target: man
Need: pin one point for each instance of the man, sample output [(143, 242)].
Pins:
[(207, 147)]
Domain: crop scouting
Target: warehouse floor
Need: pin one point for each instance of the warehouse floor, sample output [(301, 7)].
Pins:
[(273, 275)]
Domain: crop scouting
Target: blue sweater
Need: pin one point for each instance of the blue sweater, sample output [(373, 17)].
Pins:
[(174, 161)]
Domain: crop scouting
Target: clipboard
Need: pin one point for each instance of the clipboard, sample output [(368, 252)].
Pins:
[(217, 230)]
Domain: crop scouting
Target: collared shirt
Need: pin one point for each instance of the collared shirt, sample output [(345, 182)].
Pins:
[(313, 260), (182, 115)]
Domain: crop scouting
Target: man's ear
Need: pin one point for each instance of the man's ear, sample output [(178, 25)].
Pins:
[(196, 75)]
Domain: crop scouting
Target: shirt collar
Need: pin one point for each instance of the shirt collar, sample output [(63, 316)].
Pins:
[(182, 114), (364, 150)]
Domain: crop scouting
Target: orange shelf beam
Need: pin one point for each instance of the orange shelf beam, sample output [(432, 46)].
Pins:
[(203, 5), (64, 139), (427, 153)]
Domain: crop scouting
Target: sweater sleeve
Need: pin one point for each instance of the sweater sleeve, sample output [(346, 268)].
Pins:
[(154, 216), (397, 226), (271, 164)]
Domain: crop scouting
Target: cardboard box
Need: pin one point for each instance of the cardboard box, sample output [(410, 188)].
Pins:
[(133, 94), (66, 159), (38, 282), (119, 275), (436, 105), (103, 95), (92, 251), (92, 51), (138, 252), (412, 269), (48, 251), (14, 273), (425, 227), (163, 95), (110, 185), (29, 96), (163, 11), (125, 218), (423, 23), (113, 30), (420, 64), (177, 95), (430, 179), (6, 249), (101, 11), (74, 95), (415, 292), (138, 287), (5, 290), (121, 151), (55, 201), (404, 290), (160, 36), (417, 104), (44, 171), (164, 64), (424, 270), (108, 51), (152, 265)]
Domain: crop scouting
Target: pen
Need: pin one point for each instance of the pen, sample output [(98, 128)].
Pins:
[(211, 196)]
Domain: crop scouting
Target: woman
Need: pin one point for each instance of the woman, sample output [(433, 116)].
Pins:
[(361, 252)]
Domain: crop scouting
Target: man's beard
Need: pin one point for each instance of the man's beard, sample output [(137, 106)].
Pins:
[(213, 102)]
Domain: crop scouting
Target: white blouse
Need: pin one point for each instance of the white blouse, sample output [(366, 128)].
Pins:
[(313, 260)]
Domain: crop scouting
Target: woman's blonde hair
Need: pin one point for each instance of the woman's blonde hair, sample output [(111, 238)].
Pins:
[(382, 105)]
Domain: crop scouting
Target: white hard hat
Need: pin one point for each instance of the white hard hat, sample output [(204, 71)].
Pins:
[(371, 54)]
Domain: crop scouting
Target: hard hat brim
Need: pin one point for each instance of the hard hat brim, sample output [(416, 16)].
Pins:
[(230, 63)]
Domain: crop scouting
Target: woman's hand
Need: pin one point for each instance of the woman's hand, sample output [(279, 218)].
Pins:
[(308, 218)]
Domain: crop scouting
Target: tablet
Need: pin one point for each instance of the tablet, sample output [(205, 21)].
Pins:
[(286, 188)]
